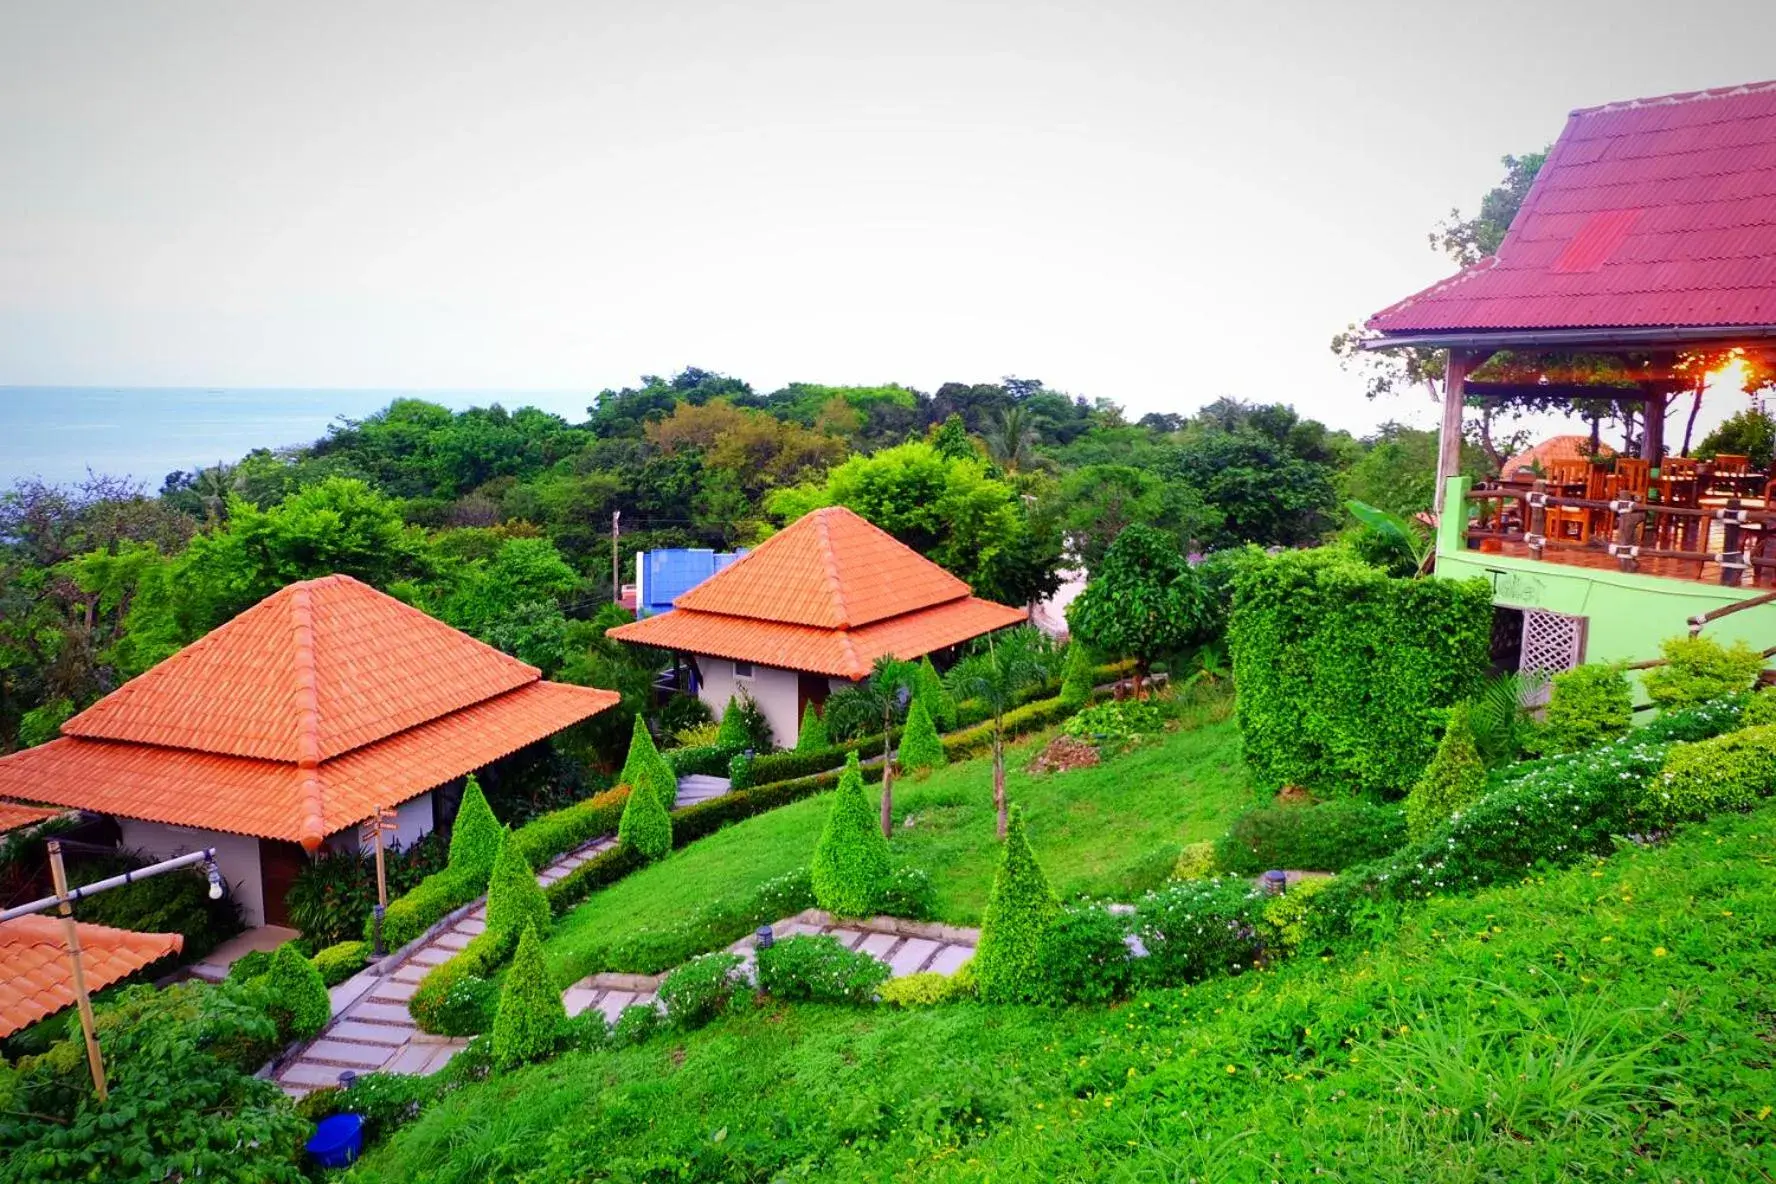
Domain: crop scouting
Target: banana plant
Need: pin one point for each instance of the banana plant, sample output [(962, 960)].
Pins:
[(1403, 533)]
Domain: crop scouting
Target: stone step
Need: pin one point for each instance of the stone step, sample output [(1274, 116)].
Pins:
[(387, 1013), (431, 956), (308, 1075), (453, 939), (389, 1035), (911, 957), (950, 959), (347, 1054), (392, 991)]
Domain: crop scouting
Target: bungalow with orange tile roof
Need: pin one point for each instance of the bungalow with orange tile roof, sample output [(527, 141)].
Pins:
[(809, 611), (36, 979), (280, 731)]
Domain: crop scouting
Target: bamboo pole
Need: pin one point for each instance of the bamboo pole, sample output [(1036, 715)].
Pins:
[(71, 932)]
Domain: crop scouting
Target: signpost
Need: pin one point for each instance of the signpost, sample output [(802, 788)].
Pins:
[(371, 833)]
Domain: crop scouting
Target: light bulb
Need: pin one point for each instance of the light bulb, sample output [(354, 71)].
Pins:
[(215, 890)]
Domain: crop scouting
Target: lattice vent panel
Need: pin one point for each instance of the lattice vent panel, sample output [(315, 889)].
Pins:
[(1552, 642)]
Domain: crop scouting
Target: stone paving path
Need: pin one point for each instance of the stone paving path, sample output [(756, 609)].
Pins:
[(371, 1030)]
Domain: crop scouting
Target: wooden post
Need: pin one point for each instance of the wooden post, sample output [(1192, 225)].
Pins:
[(1538, 521), (71, 933), (616, 567), (1653, 440), (1629, 533), (1730, 544), (382, 887), (1449, 436)]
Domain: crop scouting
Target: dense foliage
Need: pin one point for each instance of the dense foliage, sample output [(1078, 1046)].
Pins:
[(851, 862), (1327, 837), (1344, 673), (1007, 963), (1454, 778), (920, 747), (1589, 705), (530, 1017), (819, 970), (1699, 670)]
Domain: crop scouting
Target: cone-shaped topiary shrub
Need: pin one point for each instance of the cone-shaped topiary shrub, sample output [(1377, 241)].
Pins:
[(297, 996), (475, 837), (514, 898), (851, 860), (645, 827), (530, 1019), (919, 746), (647, 770), (927, 685), (1454, 778), (1076, 675), (1019, 912), (733, 733), (812, 737)]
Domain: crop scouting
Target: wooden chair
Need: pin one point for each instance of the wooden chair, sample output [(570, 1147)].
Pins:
[(1633, 477), (1568, 522), (1732, 464), (1678, 468)]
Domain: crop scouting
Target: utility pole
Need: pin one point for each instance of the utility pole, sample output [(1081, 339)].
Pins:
[(616, 568)]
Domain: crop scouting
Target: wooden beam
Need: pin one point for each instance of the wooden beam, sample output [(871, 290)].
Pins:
[(1461, 363), (1653, 446), (1571, 390)]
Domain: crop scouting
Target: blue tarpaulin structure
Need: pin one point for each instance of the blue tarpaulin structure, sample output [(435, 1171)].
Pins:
[(663, 576)]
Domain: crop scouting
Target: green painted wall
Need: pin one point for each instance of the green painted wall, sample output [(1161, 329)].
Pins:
[(1627, 616)]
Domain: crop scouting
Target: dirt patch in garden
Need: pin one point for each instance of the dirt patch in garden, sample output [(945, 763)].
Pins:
[(1063, 753)]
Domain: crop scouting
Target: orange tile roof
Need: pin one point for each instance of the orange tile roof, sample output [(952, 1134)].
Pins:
[(13, 815), (1552, 449), (36, 980), (829, 595), (272, 728)]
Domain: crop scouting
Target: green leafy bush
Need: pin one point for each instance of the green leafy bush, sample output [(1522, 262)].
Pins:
[(733, 733), (1197, 860), (1327, 837), (1344, 674), (425, 905), (1729, 772), (1194, 929), (642, 753), (552, 835), (811, 736), (601, 871), (528, 1024), (249, 966), (385, 1101), (1076, 675), (1760, 709), (645, 769), (740, 775), (1454, 778), (1116, 724), (851, 864), (296, 995), (340, 961), (645, 827), (636, 1024), (458, 997), (1700, 669), (515, 901), (475, 838), (1288, 919), (744, 725), (1084, 956), (700, 990), (924, 989), (178, 902), (819, 970), (1589, 705), (1007, 963), (920, 748), (909, 894), (928, 688), (333, 894)]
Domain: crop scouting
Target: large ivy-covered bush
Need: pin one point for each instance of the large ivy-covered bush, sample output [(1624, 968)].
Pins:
[(1345, 673), (1008, 962), (851, 863)]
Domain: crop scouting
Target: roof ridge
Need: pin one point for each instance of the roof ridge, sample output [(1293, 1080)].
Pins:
[(830, 563), (308, 715), (1676, 97)]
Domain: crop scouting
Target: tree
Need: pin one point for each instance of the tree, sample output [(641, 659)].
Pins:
[(1270, 474), (884, 695), (1097, 502), (515, 900), (812, 737), (920, 747), (1011, 439), (296, 996), (1751, 433), (476, 836), (1145, 602), (645, 770), (528, 1024), (851, 862), (996, 676), (1076, 674), (645, 827), (938, 700), (1020, 909)]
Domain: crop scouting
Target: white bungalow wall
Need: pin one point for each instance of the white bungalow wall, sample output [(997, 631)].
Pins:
[(772, 688), (237, 857), (413, 821)]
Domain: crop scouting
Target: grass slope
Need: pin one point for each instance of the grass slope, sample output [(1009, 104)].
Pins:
[(1109, 830), (1608, 1022)]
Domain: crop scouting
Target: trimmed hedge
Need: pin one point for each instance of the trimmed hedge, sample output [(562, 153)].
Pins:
[(645, 827), (851, 861), (341, 960), (430, 900), (1454, 778), (1344, 672), (1325, 838), (811, 736), (555, 834), (528, 1024), (710, 760), (1021, 906), (515, 902), (296, 996), (920, 747), (475, 838), (458, 997), (1729, 772), (1589, 705)]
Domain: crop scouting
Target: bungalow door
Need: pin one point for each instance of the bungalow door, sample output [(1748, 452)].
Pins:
[(280, 863), (810, 688)]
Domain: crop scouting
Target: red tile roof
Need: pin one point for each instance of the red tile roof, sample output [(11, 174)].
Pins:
[(1552, 449), (13, 815), (36, 980), (1652, 213), (829, 594), (298, 718)]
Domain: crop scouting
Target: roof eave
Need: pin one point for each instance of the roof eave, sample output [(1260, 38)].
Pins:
[(1634, 337)]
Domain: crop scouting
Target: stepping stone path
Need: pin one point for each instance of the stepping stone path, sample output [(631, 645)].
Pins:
[(371, 1030)]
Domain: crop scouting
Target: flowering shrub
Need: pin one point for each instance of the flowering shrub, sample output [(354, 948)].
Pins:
[(1084, 956), (699, 990), (820, 970), (908, 894), (1194, 929), (1729, 772), (635, 1024)]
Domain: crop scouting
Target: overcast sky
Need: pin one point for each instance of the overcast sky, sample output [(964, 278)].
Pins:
[(1155, 202)]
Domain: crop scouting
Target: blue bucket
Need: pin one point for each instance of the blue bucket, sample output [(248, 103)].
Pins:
[(337, 1140)]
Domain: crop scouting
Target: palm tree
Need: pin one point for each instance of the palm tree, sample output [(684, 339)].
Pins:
[(888, 689), (994, 677), (1011, 439)]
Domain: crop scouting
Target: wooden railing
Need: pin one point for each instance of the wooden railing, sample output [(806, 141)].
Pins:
[(1741, 551)]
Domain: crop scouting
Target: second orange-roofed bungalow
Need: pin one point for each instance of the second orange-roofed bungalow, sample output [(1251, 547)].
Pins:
[(810, 610)]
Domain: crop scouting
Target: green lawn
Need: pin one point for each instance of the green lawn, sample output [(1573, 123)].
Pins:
[(1104, 831), (1608, 1022)]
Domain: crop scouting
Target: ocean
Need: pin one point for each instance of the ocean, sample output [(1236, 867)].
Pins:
[(144, 433)]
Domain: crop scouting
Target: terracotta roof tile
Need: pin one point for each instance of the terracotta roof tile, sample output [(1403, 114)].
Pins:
[(1656, 212), (1552, 449), (269, 798), (13, 815), (35, 979), (366, 666)]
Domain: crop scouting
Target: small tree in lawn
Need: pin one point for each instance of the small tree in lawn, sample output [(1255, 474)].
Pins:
[(920, 747), (1144, 603), (1455, 777), (812, 737), (514, 898), (645, 827), (528, 1024), (1019, 912), (1012, 661), (851, 861), (1076, 675), (646, 771), (938, 700), (733, 732), (885, 695), (475, 836)]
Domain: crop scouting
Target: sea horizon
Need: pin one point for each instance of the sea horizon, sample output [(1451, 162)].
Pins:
[(142, 433)]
